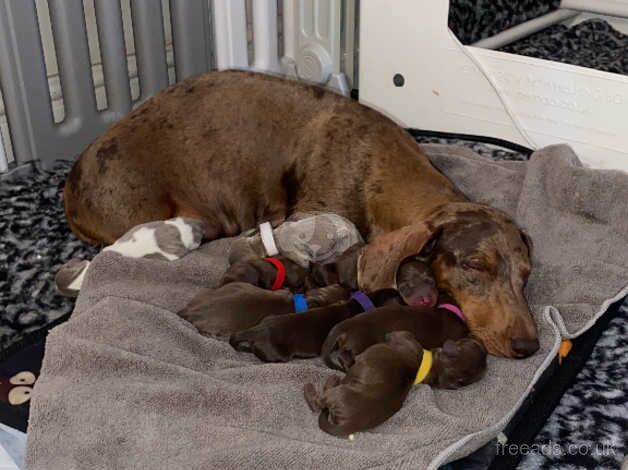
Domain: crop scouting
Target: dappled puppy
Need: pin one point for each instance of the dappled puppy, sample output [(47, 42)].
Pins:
[(237, 306), (278, 338), (376, 386), (431, 327), (304, 238)]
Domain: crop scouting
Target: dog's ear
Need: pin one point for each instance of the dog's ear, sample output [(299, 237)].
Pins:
[(428, 249), (380, 259), (378, 264)]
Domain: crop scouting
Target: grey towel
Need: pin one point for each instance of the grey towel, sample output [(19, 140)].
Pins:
[(127, 384)]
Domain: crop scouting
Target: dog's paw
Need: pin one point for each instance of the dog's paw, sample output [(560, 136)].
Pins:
[(69, 278)]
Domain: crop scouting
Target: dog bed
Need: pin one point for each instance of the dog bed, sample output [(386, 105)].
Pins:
[(126, 383), (593, 43)]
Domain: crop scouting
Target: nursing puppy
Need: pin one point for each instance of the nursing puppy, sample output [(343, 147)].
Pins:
[(376, 386), (238, 306), (432, 327), (414, 279), (282, 337), (261, 272)]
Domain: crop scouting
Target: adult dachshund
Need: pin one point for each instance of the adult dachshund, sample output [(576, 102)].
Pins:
[(237, 148)]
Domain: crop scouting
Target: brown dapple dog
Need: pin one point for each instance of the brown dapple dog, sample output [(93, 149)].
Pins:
[(237, 148)]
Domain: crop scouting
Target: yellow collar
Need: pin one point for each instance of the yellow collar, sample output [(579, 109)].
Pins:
[(424, 367)]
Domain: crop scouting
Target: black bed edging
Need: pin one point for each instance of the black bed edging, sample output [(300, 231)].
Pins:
[(26, 354), (31, 338), (546, 394), (472, 138)]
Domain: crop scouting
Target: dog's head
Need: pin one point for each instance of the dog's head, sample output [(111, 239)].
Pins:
[(478, 256)]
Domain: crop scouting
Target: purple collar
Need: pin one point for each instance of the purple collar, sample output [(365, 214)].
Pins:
[(363, 299), (453, 309)]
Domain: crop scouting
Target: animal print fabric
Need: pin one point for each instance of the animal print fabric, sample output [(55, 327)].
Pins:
[(472, 20), (34, 242), (589, 427), (593, 43)]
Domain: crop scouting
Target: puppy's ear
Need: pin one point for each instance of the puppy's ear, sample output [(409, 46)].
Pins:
[(242, 272), (478, 342), (451, 349)]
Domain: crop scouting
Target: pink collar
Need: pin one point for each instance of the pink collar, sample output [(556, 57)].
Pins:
[(453, 309)]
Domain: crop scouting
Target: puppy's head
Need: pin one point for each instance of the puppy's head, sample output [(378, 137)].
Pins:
[(416, 283), (459, 363), (243, 271), (261, 273)]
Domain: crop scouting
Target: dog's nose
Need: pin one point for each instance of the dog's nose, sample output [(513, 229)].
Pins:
[(524, 347)]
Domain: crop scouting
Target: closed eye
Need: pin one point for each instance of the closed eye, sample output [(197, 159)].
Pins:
[(474, 265)]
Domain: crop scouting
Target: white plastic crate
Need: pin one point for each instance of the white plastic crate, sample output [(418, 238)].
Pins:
[(466, 89)]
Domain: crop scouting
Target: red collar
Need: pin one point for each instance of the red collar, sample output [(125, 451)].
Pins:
[(281, 273)]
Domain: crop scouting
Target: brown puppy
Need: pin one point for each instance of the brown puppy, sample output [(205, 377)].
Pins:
[(272, 342), (376, 386), (236, 149), (262, 273), (238, 306), (282, 338), (430, 326)]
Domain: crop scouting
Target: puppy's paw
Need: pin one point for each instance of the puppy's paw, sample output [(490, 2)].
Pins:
[(340, 357), (257, 340), (331, 382), (312, 397)]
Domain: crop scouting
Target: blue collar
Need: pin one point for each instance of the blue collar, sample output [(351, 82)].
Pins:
[(300, 304)]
